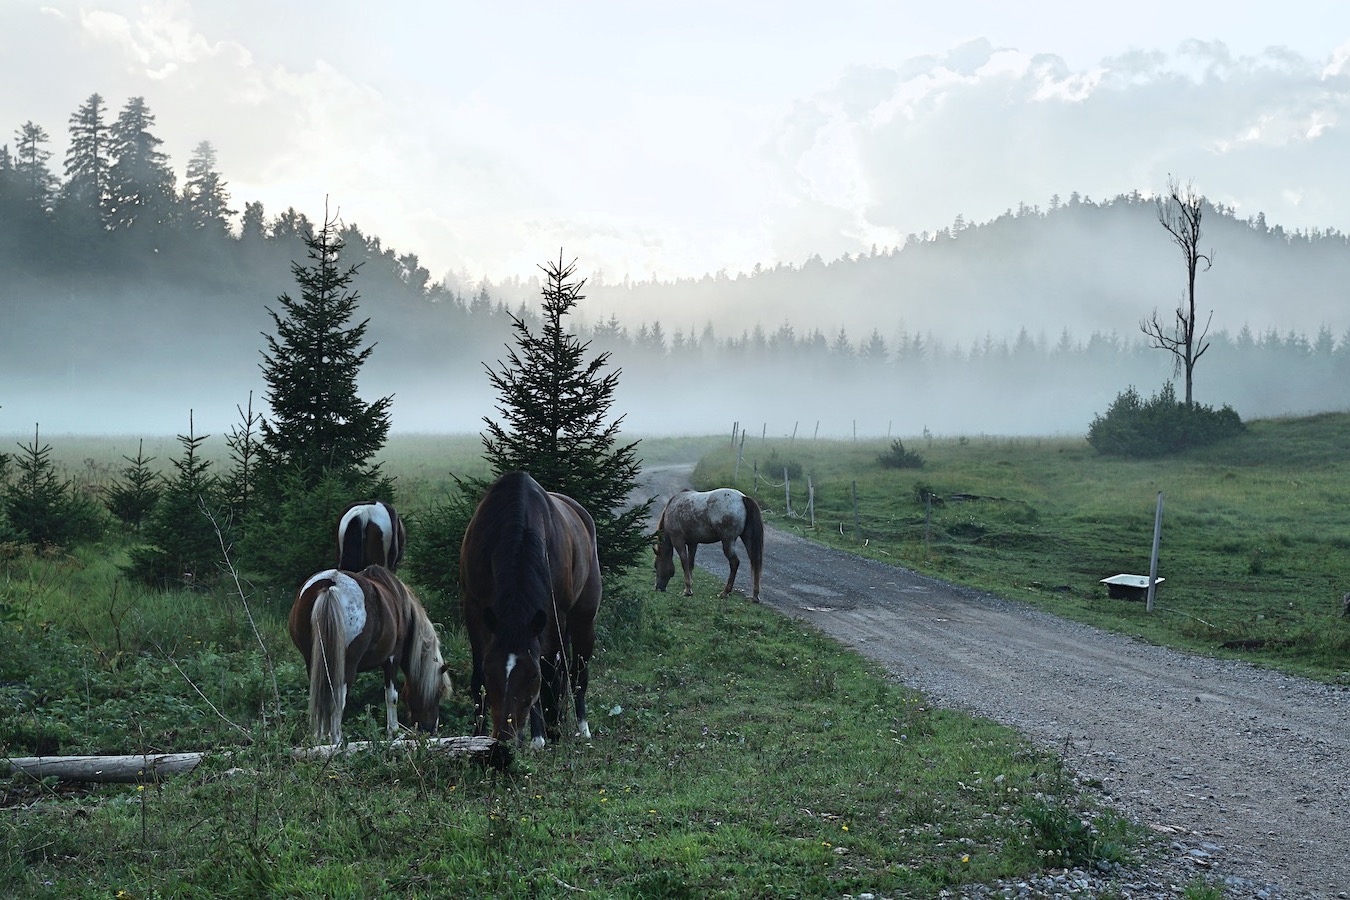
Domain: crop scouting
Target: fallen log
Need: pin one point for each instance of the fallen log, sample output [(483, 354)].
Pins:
[(155, 766)]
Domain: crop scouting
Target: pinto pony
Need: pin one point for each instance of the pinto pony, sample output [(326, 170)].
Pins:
[(706, 517), (530, 577), (370, 533), (348, 622)]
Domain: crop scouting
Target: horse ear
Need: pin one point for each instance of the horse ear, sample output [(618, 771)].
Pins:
[(538, 622)]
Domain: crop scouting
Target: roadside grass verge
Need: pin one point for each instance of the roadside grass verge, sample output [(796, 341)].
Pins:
[(1254, 532)]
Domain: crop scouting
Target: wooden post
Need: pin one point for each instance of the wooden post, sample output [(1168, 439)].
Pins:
[(811, 501), (857, 520), (792, 439), (817, 434), (1153, 560), (787, 491)]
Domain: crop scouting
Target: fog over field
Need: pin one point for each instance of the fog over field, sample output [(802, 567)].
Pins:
[(761, 197)]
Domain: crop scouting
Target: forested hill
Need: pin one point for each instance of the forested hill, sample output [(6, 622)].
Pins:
[(1025, 324), (1080, 267)]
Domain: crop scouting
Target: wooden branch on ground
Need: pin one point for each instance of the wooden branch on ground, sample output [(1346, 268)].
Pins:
[(154, 766)]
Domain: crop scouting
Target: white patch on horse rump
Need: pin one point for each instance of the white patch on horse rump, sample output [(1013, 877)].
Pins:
[(350, 598), (371, 512)]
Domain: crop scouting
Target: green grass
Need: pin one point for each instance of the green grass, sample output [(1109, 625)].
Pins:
[(1254, 533), (735, 754)]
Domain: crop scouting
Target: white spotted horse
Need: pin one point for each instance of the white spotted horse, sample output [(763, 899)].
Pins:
[(708, 517)]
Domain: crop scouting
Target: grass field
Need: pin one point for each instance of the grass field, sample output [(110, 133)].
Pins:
[(1255, 540), (736, 754)]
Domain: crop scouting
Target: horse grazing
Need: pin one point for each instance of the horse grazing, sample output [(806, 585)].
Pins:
[(348, 622), (530, 577), (706, 517), (370, 533)]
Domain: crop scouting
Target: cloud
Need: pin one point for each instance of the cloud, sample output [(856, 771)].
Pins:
[(981, 129)]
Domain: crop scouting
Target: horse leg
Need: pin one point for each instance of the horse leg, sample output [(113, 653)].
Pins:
[(391, 696), (687, 563), (733, 563), (583, 645)]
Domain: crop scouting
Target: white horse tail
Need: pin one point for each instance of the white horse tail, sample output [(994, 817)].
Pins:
[(328, 668)]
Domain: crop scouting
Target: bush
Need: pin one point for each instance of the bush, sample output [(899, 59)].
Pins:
[(434, 537), (1161, 425), (900, 458)]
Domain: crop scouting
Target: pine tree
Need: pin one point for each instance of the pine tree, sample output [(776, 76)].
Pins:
[(319, 423), (41, 507), (141, 184), (133, 497), (315, 449), (553, 400), (35, 179), (205, 199), (88, 160), (188, 526)]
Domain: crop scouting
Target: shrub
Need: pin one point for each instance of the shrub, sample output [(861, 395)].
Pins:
[(1160, 425), (900, 458), (434, 537)]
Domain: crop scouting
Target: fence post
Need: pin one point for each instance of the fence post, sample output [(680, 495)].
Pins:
[(787, 492), (857, 520), (811, 501), (1153, 560)]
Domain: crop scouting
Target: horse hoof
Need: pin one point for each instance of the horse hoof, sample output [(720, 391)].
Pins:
[(689, 593), (584, 730), (537, 743)]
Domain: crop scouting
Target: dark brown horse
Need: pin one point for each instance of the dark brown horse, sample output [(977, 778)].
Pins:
[(707, 517), (348, 622), (370, 533), (530, 575)]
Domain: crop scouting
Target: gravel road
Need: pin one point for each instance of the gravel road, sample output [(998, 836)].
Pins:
[(1247, 770)]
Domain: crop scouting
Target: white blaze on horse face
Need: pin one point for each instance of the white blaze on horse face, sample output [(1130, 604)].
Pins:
[(510, 664), (351, 601)]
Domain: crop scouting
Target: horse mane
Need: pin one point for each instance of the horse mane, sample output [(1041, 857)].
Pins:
[(519, 555), (427, 680)]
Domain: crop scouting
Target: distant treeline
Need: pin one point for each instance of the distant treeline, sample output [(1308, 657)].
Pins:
[(112, 275)]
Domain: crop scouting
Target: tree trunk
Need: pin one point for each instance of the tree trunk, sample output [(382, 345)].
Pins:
[(154, 766)]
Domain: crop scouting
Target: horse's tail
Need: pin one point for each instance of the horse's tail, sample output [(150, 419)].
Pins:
[(327, 668), (427, 678), (753, 537), (398, 539)]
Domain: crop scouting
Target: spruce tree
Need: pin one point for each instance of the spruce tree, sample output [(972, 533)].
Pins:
[(186, 531), (41, 507), (314, 456), (554, 397), (133, 497)]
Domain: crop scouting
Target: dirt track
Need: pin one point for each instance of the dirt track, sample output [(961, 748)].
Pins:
[(1249, 769)]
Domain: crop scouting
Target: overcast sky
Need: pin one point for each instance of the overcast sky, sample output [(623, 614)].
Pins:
[(683, 138)]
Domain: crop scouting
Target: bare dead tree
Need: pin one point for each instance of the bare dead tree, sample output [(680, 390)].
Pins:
[(1180, 211)]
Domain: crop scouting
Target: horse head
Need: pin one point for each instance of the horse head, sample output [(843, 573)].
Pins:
[(512, 675), (665, 561)]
